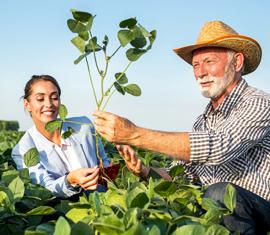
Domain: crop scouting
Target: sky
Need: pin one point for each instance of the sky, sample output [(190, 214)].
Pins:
[(36, 40)]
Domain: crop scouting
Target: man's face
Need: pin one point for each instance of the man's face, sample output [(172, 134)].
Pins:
[(214, 71)]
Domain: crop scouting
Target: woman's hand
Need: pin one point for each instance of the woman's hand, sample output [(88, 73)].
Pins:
[(87, 178), (133, 163)]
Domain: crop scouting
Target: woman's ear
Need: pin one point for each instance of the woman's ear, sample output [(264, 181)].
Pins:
[(27, 105)]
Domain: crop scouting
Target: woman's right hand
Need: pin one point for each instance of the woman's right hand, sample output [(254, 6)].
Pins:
[(87, 178)]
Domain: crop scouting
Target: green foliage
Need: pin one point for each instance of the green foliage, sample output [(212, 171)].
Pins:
[(129, 206), (9, 125), (131, 33), (8, 139), (31, 157), (230, 198)]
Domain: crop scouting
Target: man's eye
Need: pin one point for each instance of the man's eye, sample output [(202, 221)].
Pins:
[(210, 61), (55, 98), (40, 99)]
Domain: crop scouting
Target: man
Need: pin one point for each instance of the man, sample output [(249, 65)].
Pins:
[(230, 141)]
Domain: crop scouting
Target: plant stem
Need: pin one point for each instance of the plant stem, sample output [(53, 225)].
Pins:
[(102, 82), (115, 51), (104, 106), (95, 57), (79, 123), (91, 80)]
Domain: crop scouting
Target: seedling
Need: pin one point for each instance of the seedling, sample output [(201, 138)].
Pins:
[(131, 34)]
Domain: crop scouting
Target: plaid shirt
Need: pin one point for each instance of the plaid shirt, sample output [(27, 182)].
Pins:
[(232, 143)]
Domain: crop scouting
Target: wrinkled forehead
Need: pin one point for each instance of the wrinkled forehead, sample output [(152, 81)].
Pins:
[(206, 52), (209, 50)]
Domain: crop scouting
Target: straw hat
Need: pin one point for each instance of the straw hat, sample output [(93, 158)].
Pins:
[(218, 34)]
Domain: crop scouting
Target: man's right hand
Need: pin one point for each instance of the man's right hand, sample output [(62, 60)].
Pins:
[(87, 178), (133, 163)]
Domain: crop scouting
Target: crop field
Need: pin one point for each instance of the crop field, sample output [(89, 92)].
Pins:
[(129, 206)]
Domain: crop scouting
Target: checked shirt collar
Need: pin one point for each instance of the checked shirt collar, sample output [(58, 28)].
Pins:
[(229, 102)]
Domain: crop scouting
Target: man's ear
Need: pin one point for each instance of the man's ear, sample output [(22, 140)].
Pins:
[(26, 105), (239, 61)]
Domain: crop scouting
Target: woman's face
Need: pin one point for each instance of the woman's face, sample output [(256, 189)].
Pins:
[(43, 102)]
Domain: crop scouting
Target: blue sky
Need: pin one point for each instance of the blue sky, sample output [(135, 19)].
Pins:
[(35, 40)]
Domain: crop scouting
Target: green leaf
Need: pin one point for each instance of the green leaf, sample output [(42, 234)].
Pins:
[(176, 170), (8, 176), (77, 214), (152, 38), (82, 229), (137, 198), (79, 43), (68, 133), (76, 26), (63, 112), (139, 42), (109, 224), (134, 54), (115, 198), (125, 36), (62, 227), (217, 229), (212, 216), (4, 199), (31, 157), (133, 89), (92, 45), (80, 58), (144, 32), (41, 210), (53, 125), (48, 228), (82, 16), (129, 23), (165, 188), (105, 41), (208, 203), (35, 190), (24, 175), (84, 35), (96, 201), (230, 197), (154, 231), (119, 88), (121, 78), (17, 188), (191, 229)]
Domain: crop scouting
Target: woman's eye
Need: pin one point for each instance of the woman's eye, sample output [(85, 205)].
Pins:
[(55, 98), (40, 99)]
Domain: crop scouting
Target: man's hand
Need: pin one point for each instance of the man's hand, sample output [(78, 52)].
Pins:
[(114, 128), (87, 178), (133, 163)]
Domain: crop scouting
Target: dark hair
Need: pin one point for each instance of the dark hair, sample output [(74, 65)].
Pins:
[(36, 78)]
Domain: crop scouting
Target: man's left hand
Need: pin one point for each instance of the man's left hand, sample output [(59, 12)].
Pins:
[(114, 128)]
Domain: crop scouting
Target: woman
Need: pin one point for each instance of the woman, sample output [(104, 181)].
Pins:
[(66, 165)]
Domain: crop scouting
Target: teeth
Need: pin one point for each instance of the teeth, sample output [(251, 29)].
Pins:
[(48, 113)]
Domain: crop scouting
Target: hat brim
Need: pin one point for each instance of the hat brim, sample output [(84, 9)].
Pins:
[(239, 43)]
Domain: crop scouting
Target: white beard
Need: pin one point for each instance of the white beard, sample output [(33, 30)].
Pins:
[(218, 85)]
